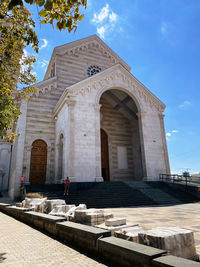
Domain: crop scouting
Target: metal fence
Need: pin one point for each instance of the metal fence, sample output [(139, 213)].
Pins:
[(171, 178)]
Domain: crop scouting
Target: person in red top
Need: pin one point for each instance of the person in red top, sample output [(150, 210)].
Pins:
[(67, 183)]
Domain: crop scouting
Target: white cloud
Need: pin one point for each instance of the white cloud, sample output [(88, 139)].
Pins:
[(186, 103), (45, 43), (25, 53), (101, 31), (113, 17), (105, 21), (34, 73), (23, 67), (102, 15), (164, 28), (170, 134), (43, 63)]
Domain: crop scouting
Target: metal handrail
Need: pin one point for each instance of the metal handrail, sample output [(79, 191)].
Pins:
[(175, 178)]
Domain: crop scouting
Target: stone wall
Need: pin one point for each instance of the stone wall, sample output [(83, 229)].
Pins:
[(5, 153)]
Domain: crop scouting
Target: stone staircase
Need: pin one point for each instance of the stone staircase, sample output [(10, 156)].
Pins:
[(116, 194)]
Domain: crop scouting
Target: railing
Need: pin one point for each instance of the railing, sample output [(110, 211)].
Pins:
[(171, 178)]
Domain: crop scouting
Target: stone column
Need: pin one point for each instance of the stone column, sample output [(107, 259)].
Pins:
[(48, 178), (161, 117), (56, 155), (71, 134), (98, 177), (141, 116), (28, 163)]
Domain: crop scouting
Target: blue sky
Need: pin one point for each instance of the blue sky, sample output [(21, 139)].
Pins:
[(160, 40)]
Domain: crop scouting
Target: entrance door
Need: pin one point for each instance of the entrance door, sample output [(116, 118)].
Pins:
[(38, 162), (104, 156)]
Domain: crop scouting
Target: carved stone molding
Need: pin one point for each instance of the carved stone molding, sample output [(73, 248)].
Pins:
[(161, 115), (85, 46), (70, 103), (97, 107), (114, 78), (45, 86)]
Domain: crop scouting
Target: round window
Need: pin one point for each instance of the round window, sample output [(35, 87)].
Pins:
[(93, 70)]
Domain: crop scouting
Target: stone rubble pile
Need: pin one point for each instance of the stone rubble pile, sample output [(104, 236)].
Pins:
[(61, 210), (129, 233), (37, 204), (177, 241), (91, 216)]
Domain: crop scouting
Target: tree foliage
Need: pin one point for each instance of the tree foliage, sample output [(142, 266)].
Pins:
[(65, 12), (17, 32)]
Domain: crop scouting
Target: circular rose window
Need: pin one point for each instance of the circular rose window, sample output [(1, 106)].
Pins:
[(93, 70)]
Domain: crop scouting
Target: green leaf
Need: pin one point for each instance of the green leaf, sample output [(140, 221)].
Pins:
[(48, 5), (29, 1), (43, 13), (14, 3), (80, 17), (55, 4), (40, 2)]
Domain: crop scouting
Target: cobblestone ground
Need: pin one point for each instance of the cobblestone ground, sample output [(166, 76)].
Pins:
[(183, 216), (23, 246)]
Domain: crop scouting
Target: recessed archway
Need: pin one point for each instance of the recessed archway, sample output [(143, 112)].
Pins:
[(38, 162), (120, 122)]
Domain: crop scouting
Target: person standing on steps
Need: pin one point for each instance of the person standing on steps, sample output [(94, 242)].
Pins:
[(67, 183)]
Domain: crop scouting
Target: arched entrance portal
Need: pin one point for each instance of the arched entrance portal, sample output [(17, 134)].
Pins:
[(38, 162), (120, 122), (104, 156)]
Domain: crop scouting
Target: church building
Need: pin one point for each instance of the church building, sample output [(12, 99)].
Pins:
[(90, 120)]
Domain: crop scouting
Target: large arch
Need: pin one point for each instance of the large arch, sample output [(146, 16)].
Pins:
[(123, 88), (118, 118), (38, 163)]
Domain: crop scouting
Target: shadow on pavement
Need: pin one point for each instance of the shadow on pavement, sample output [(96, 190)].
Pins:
[(2, 257)]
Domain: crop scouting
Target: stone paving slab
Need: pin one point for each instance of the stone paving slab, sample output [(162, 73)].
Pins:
[(23, 246), (183, 216)]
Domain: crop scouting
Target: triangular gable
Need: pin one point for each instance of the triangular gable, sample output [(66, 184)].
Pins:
[(82, 44), (108, 76)]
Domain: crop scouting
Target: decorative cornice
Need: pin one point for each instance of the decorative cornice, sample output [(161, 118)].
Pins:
[(115, 75), (45, 86), (83, 45)]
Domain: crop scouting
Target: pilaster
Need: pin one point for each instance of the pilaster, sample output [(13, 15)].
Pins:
[(98, 177), (71, 135), (141, 116), (161, 117)]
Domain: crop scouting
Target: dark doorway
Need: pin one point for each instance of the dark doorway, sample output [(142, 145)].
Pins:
[(104, 156), (38, 162)]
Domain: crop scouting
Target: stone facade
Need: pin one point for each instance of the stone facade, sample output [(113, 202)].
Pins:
[(70, 109)]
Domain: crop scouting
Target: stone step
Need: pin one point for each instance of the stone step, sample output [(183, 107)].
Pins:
[(115, 194)]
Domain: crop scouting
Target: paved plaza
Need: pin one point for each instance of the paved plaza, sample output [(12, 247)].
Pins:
[(21, 245), (184, 216)]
